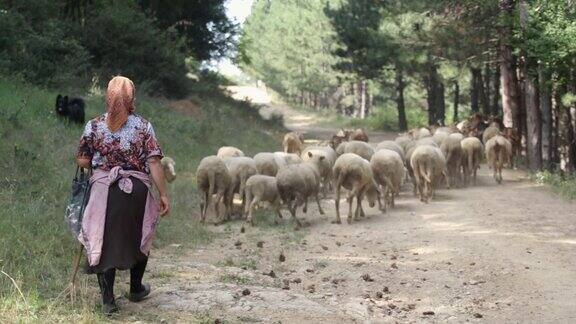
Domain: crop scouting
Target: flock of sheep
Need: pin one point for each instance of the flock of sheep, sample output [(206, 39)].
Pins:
[(430, 157)]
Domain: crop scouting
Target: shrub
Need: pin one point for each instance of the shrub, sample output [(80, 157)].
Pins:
[(122, 40), (40, 53)]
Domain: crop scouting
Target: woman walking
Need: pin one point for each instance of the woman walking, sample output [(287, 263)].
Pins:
[(120, 218)]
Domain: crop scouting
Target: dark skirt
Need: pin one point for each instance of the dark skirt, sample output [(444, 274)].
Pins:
[(123, 229)]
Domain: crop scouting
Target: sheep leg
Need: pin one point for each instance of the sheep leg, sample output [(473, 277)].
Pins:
[(251, 206), (217, 205), (350, 200), (337, 200), (319, 206), (243, 193), (204, 207), (359, 210), (305, 209)]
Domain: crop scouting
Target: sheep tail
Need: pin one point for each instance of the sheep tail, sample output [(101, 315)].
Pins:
[(423, 170), (212, 183)]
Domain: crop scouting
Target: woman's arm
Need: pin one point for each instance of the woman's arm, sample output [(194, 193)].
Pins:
[(160, 182)]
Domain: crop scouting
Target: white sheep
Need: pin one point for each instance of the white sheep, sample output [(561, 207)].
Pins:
[(490, 132), (354, 174), (498, 153), (452, 150), (362, 149), (265, 164), (169, 167), (240, 170), (472, 151), (419, 133), (391, 145), (428, 165), (229, 151), (268, 163), (403, 141), (213, 178), (261, 188), (297, 183), (325, 165), (389, 172), (439, 137)]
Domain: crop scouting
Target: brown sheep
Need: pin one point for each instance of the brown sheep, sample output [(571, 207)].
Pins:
[(452, 150), (389, 172), (354, 173), (213, 178), (293, 143), (428, 164), (498, 153), (472, 151), (359, 135)]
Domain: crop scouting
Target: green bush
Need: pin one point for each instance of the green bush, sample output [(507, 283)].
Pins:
[(122, 40), (41, 52), (561, 183)]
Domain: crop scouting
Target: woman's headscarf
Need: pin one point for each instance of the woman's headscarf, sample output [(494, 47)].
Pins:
[(119, 102)]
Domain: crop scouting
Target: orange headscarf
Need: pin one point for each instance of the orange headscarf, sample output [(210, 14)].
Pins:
[(119, 102)]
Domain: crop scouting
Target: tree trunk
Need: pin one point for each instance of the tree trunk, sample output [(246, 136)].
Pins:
[(441, 104), (533, 117), (368, 99), (484, 90), (474, 90), (508, 77), (496, 110), (546, 109), (435, 94), (400, 85), (362, 91), (456, 101)]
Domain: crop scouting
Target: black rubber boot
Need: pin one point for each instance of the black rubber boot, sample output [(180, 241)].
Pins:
[(138, 291), (106, 282)]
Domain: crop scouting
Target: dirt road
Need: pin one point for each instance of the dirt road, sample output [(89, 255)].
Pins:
[(489, 253)]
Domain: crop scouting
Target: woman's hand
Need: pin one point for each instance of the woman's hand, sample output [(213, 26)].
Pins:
[(84, 162), (164, 206), (159, 180)]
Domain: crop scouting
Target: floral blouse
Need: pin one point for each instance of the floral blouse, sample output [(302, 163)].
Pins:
[(129, 147)]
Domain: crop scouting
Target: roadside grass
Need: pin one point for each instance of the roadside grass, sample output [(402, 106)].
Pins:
[(562, 184), (36, 167)]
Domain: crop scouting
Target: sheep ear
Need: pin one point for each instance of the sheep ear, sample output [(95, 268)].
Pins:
[(65, 98), (310, 154), (59, 97)]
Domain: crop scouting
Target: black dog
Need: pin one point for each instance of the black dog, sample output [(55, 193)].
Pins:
[(72, 108)]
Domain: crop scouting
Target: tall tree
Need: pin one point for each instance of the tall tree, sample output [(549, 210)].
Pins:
[(533, 116)]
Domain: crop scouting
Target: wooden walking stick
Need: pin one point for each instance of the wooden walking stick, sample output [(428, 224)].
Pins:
[(74, 273)]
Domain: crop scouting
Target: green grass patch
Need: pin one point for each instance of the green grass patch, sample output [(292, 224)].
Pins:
[(561, 183), (37, 153), (231, 278)]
